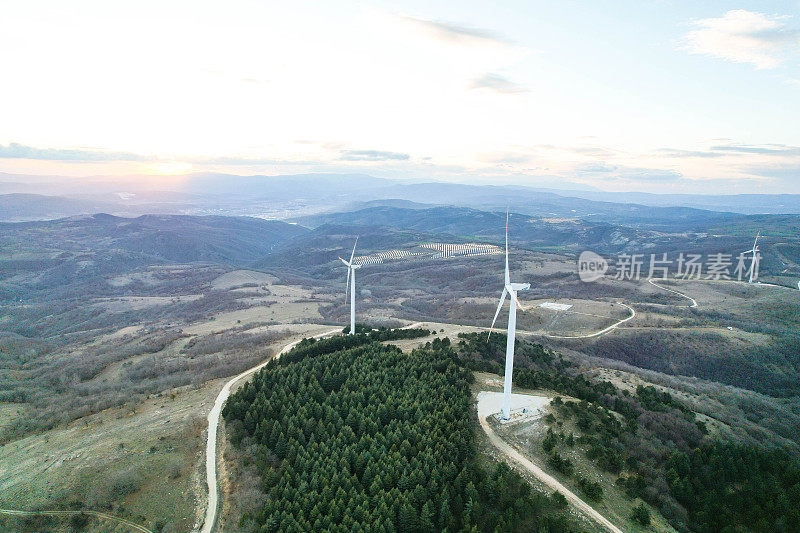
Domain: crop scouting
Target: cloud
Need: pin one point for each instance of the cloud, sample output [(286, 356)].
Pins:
[(596, 167), (372, 155), (498, 84), (593, 151), (769, 149), (454, 33), (236, 160), (743, 37), (672, 152), (19, 151), (506, 158), (725, 150)]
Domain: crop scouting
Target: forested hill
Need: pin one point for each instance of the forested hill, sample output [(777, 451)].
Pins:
[(472, 224), (655, 447), (355, 435), (178, 238), (370, 439)]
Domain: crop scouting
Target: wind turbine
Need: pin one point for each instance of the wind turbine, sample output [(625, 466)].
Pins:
[(510, 289), (754, 262), (351, 272)]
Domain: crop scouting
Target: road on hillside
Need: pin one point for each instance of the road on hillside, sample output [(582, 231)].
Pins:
[(213, 424), (510, 452), (103, 516), (654, 284), (735, 281), (596, 333)]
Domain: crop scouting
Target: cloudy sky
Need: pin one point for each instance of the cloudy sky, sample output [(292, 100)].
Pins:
[(661, 96)]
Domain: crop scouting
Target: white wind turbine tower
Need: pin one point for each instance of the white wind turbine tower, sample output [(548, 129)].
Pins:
[(756, 257), (351, 273), (510, 289)]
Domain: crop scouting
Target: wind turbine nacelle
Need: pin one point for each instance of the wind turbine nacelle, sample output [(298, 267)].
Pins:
[(520, 286)]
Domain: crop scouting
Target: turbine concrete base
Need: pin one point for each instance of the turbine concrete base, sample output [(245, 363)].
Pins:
[(523, 406)]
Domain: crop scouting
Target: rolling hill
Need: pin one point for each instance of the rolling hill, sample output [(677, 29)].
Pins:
[(173, 238)]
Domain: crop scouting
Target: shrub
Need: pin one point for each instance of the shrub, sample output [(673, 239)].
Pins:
[(592, 489), (174, 470), (560, 464), (641, 515), (559, 500), (124, 483), (79, 521), (549, 441)]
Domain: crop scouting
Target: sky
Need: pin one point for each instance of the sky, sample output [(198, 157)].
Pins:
[(660, 96)]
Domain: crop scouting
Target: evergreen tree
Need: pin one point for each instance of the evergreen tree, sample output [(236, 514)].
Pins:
[(426, 518), (355, 435), (641, 515)]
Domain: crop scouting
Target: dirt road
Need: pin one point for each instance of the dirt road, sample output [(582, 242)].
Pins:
[(103, 516), (485, 408), (654, 284), (596, 333), (213, 425)]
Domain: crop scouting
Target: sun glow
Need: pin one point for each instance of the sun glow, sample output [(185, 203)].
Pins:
[(169, 168)]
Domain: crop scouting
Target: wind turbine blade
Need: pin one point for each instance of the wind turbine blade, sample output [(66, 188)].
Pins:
[(343, 261), (508, 275), (499, 306), (347, 286), (354, 251)]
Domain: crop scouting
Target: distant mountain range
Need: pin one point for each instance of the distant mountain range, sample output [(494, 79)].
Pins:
[(93, 246), (735, 203), (296, 196)]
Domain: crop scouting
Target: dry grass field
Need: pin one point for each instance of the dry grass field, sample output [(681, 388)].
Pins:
[(140, 457), (139, 462)]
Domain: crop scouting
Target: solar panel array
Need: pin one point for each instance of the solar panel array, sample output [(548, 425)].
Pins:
[(444, 251), (460, 248), (455, 250), (367, 260)]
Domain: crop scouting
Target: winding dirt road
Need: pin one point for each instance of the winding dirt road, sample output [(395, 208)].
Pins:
[(484, 411), (103, 516), (654, 284), (213, 425), (596, 333)]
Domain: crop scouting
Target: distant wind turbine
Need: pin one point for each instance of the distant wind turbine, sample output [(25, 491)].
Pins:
[(510, 289), (351, 273), (754, 262)]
